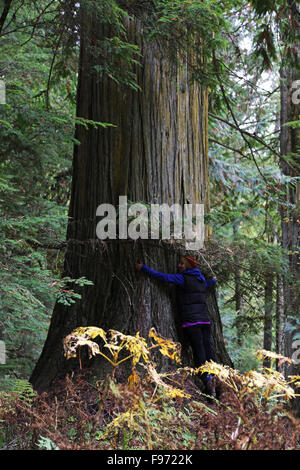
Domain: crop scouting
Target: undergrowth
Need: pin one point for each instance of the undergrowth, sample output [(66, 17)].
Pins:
[(151, 410)]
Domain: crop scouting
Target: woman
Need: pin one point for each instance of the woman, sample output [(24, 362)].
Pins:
[(191, 288)]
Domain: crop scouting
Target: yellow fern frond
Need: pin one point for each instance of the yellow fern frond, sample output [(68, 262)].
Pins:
[(166, 347), (263, 354)]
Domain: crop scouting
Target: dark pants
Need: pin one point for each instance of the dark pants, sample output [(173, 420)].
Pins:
[(199, 337)]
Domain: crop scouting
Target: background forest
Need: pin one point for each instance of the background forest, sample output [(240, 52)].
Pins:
[(251, 54)]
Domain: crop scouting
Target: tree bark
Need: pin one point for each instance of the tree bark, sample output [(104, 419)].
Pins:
[(280, 319), (268, 320), (238, 295), (289, 145), (156, 153)]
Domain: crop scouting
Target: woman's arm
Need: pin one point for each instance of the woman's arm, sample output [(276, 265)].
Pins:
[(210, 282), (172, 278)]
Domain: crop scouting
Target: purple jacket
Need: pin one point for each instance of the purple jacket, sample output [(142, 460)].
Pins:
[(178, 279)]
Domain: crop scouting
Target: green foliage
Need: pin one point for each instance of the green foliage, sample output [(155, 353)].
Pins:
[(278, 20), (64, 289), (248, 186), (18, 388), (44, 443), (36, 135)]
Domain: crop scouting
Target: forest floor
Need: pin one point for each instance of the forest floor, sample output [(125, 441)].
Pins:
[(81, 413)]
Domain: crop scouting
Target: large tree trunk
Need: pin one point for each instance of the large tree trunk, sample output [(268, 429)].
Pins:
[(289, 143), (157, 153)]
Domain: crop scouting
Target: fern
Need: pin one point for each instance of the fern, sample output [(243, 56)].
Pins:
[(45, 443)]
